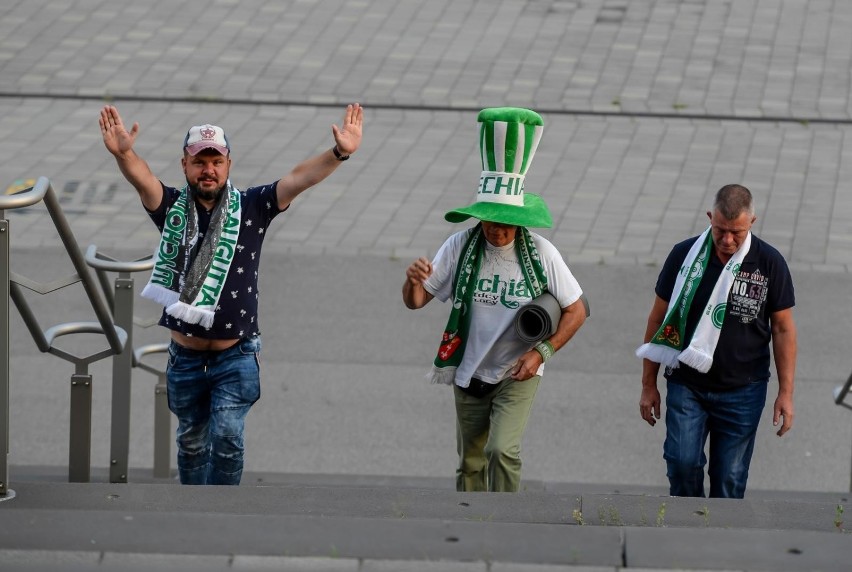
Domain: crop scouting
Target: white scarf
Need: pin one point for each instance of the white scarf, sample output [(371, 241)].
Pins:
[(665, 347)]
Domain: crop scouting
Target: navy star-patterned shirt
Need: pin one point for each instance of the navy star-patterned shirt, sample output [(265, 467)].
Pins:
[(236, 313)]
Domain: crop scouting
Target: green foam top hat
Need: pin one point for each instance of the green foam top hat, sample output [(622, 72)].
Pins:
[(508, 138)]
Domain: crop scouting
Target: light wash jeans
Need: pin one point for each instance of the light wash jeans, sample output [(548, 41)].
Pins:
[(211, 392), (730, 419)]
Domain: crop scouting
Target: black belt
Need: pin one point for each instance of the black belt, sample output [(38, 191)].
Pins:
[(479, 388)]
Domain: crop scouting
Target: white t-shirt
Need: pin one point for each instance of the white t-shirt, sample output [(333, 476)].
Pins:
[(493, 347)]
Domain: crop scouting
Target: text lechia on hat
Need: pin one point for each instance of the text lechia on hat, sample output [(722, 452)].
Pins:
[(508, 138)]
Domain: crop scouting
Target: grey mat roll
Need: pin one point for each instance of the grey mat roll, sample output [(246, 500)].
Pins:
[(538, 319)]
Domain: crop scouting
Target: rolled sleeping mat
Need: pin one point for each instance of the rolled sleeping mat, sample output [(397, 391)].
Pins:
[(539, 319)]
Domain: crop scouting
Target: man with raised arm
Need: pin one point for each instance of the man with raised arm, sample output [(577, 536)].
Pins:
[(206, 277)]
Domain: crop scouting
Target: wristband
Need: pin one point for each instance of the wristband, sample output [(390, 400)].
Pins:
[(545, 350), (337, 154)]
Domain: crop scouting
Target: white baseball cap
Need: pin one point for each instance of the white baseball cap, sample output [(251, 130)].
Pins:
[(207, 136)]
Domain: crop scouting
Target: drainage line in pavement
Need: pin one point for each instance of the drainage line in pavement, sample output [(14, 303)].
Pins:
[(434, 108)]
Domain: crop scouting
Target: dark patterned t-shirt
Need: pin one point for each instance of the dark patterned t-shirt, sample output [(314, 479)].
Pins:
[(763, 286), (236, 313)]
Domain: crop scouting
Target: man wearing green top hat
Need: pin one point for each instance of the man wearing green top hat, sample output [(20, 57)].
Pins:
[(488, 272)]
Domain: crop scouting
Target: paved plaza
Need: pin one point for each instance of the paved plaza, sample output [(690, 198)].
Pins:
[(649, 107)]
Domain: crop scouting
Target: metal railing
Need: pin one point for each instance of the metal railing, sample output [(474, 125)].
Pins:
[(81, 381), (120, 298), (841, 391), (162, 415), (20, 200), (840, 394)]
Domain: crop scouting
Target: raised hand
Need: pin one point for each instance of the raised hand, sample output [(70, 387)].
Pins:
[(117, 139), (348, 136)]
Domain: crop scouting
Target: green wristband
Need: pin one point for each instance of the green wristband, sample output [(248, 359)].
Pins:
[(545, 350)]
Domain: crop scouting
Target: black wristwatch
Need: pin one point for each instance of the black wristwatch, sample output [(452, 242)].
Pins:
[(338, 155)]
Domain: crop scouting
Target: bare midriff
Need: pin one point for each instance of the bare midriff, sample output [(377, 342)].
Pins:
[(202, 344)]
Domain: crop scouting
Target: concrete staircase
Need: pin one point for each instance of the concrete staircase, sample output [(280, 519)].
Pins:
[(361, 522)]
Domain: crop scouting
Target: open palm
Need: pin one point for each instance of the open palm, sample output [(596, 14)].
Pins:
[(116, 138), (348, 136)]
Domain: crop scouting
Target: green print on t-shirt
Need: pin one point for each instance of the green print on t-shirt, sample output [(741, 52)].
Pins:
[(510, 294)]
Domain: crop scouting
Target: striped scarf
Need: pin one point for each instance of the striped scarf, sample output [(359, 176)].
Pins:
[(454, 339), (188, 278), (668, 345)]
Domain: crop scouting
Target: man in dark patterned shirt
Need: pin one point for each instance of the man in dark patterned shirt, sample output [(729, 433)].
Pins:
[(721, 300), (206, 277)]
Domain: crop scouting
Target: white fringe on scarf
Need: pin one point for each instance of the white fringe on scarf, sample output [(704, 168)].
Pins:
[(159, 294), (442, 375), (663, 355), (192, 314), (174, 307)]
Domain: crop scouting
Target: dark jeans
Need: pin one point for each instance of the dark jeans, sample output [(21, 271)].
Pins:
[(730, 419), (211, 392)]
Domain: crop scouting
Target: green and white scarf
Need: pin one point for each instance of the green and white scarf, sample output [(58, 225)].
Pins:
[(666, 347), (454, 339), (189, 285)]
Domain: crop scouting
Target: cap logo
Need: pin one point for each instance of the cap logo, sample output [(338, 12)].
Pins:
[(207, 133)]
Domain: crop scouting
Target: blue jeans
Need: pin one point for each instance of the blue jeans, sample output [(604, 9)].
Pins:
[(211, 392), (730, 418)]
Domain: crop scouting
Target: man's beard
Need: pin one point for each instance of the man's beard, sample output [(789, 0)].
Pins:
[(205, 195)]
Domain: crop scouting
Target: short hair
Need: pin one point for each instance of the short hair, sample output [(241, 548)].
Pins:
[(733, 200)]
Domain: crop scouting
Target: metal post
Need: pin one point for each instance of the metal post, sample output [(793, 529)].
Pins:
[(120, 302), (840, 393), (121, 366), (162, 416), (80, 434), (4, 353), (162, 429)]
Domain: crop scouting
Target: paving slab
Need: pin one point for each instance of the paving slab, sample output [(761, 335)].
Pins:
[(720, 549), (346, 537)]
